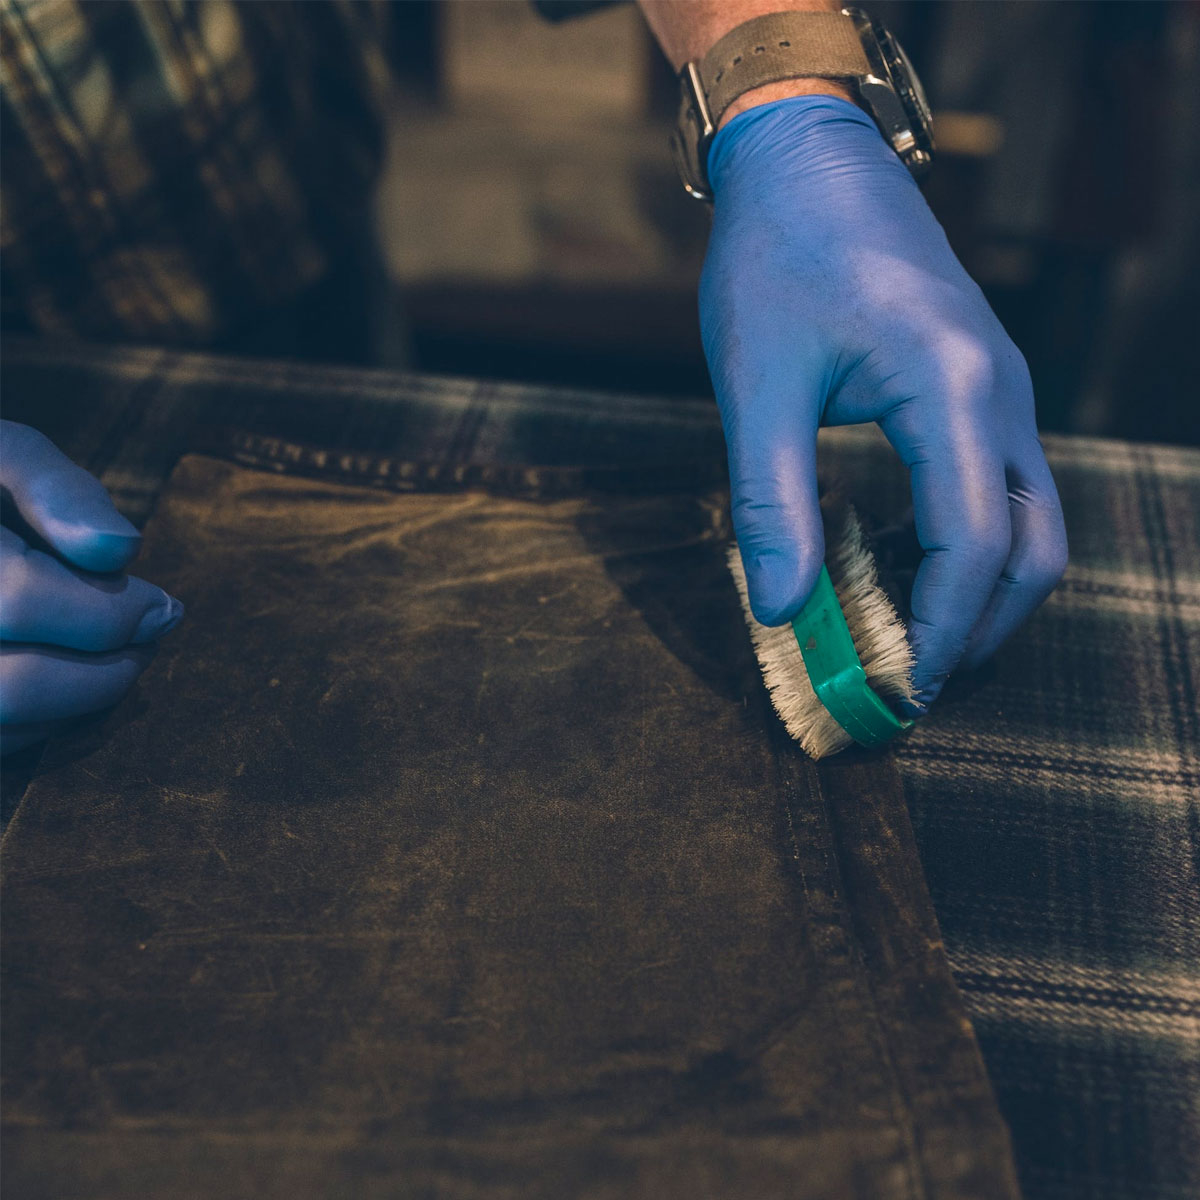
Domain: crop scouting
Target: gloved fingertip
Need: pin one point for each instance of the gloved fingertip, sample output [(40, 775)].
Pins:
[(974, 657), (177, 613), (159, 620), (20, 737), (918, 707), (926, 690), (92, 549), (778, 584)]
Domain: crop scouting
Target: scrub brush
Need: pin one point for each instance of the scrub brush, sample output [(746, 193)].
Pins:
[(832, 669)]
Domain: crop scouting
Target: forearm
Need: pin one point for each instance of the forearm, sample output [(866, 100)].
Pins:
[(687, 29)]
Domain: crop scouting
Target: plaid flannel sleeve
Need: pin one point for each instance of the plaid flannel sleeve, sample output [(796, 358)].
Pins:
[(171, 167)]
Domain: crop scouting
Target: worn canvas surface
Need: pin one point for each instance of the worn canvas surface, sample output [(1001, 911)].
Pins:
[(450, 848)]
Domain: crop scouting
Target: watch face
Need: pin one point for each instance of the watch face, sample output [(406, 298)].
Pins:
[(918, 153), (693, 135), (893, 95), (908, 81)]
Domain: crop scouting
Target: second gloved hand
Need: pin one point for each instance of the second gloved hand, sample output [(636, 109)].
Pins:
[(830, 296), (75, 632)]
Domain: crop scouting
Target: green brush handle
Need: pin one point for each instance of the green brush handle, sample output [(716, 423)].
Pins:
[(836, 672)]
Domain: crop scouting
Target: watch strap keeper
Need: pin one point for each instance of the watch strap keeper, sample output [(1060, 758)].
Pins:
[(782, 45)]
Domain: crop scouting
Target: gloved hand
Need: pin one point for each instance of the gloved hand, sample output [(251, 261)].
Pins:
[(74, 631), (830, 296)]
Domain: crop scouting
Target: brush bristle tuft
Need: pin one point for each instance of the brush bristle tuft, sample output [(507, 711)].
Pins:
[(875, 627)]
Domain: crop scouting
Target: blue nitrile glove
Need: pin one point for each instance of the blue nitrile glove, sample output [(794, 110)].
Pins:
[(830, 296), (74, 631)]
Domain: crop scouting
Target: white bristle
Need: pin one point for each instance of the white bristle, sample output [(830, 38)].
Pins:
[(877, 631)]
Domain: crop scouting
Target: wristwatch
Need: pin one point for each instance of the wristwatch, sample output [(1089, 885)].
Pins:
[(847, 45)]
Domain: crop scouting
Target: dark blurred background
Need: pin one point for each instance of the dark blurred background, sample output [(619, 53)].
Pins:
[(528, 223), (532, 227)]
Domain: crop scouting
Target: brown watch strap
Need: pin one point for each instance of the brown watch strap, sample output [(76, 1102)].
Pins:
[(782, 45)]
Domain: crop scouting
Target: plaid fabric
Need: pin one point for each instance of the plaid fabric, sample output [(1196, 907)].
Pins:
[(1055, 798), (172, 168)]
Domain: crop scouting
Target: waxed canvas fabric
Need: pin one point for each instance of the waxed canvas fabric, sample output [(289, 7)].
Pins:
[(451, 848)]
